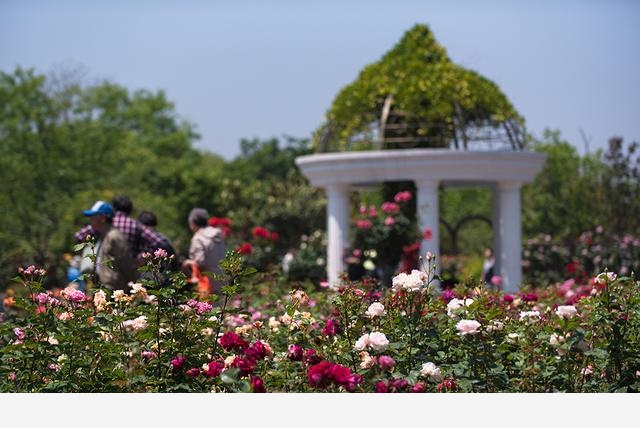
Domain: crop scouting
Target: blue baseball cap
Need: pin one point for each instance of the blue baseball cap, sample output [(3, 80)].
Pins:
[(99, 208)]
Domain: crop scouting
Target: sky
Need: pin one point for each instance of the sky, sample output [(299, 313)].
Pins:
[(262, 69)]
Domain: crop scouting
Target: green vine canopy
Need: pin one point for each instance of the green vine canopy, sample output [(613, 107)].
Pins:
[(416, 97)]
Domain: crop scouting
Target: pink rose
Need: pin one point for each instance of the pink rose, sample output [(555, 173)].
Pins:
[(386, 362), (465, 327), (403, 196), (178, 361)]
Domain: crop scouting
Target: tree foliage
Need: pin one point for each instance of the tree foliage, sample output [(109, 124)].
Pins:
[(438, 100), (61, 149)]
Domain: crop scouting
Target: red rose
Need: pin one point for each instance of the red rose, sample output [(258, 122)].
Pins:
[(295, 352), (193, 372), (178, 361), (257, 351), (230, 341), (246, 365), (245, 248), (419, 387), (339, 374), (427, 234), (318, 374), (331, 328), (257, 384), (260, 232), (381, 387), (214, 369)]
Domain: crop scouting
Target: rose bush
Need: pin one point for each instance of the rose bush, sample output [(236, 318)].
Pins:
[(260, 336)]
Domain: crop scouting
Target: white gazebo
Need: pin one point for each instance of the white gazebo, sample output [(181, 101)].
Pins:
[(503, 171)]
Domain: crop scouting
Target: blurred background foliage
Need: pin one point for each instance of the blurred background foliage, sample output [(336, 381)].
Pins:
[(64, 145)]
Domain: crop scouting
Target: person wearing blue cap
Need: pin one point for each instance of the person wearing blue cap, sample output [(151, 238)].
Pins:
[(114, 265)]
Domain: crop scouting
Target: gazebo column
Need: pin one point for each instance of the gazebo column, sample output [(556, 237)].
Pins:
[(509, 231), (495, 227), (337, 230), (428, 218)]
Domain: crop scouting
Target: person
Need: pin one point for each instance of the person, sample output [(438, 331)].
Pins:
[(74, 274), (114, 264), (207, 247), (488, 266), (355, 265), (141, 239), (149, 219)]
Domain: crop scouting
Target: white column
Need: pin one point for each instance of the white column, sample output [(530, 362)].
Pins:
[(429, 217), (337, 230), (509, 230), (495, 227)]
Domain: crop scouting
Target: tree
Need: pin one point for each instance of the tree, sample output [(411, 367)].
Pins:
[(415, 96), (63, 148)]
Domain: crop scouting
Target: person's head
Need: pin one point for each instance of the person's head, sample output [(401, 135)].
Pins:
[(122, 203), (488, 252), (100, 216), (148, 219), (198, 218)]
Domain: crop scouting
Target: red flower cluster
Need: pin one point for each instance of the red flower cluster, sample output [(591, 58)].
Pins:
[(410, 257), (427, 234), (325, 373), (393, 385), (529, 297), (257, 384), (223, 223), (214, 368), (447, 385), (245, 249), (231, 341), (261, 232), (331, 328)]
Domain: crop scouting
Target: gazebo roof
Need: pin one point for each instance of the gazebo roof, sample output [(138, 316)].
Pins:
[(416, 97), (442, 165)]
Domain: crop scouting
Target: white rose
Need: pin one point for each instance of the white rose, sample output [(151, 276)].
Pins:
[(362, 342), (513, 337), (454, 306), (567, 311), (529, 315), (378, 341), (468, 327), (376, 309), (431, 371), (495, 326)]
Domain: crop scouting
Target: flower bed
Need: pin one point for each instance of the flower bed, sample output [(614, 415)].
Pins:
[(261, 336)]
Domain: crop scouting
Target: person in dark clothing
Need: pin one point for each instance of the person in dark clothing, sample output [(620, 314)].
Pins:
[(150, 220), (355, 265), (141, 239)]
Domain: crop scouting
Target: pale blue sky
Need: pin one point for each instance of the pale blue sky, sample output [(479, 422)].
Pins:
[(244, 69)]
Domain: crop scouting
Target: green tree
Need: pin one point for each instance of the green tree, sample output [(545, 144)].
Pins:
[(63, 148), (566, 197), (416, 96)]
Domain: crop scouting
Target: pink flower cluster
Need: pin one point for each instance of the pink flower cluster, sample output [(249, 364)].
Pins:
[(73, 295), (403, 196), (364, 224), (199, 307), (390, 208), (32, 270)]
